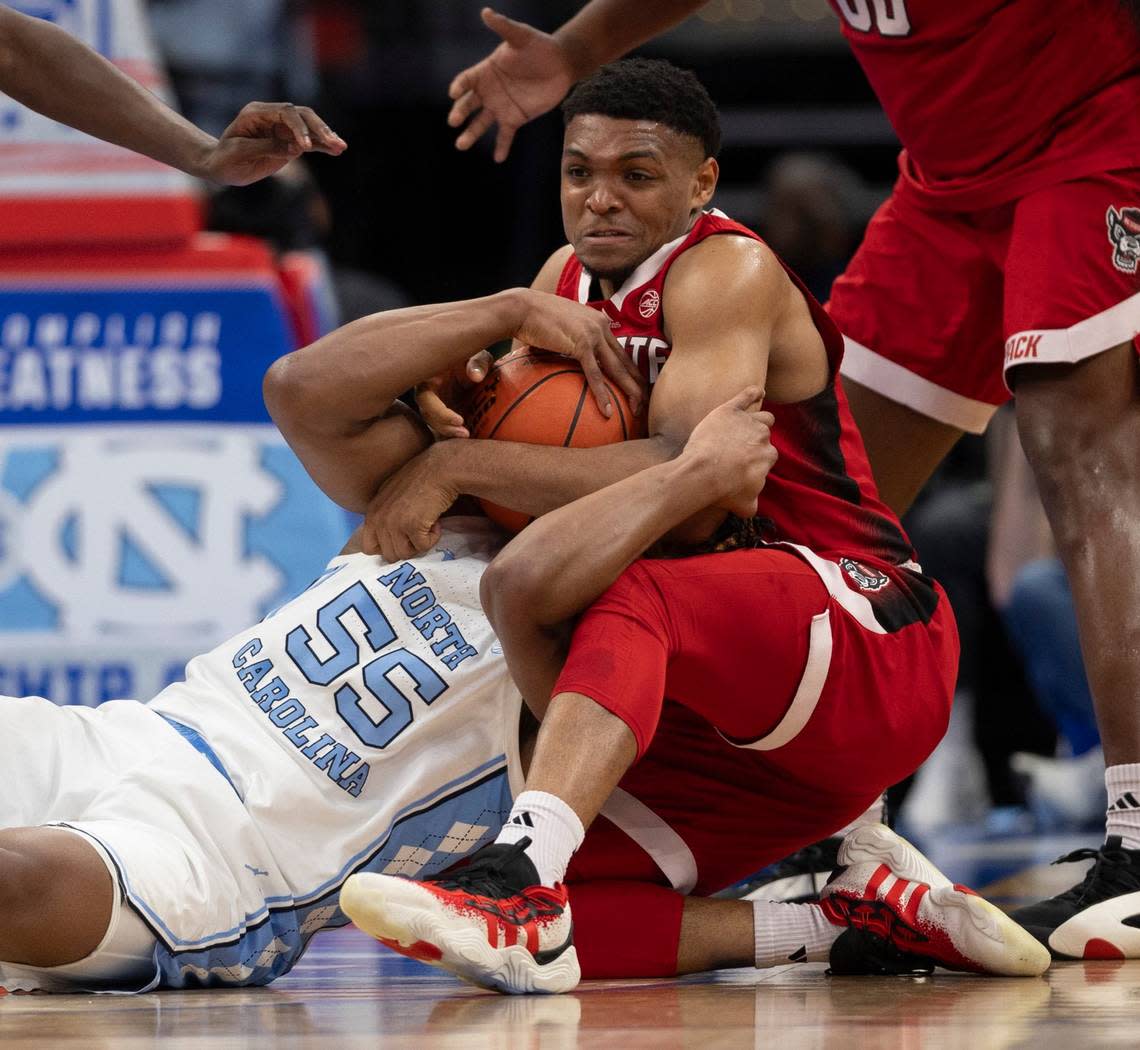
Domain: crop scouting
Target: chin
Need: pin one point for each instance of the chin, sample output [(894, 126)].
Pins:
[(607, 268)]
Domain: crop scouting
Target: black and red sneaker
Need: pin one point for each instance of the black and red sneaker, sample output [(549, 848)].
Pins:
[(485, 919), (912, 918)]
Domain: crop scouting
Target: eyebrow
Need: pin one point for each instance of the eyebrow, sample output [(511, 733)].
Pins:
[(636, 154)]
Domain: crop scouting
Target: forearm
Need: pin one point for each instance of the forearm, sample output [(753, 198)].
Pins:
[(536, 479), (605, 30), (335, 401), (559, 564), (340, 384), (49, 71)]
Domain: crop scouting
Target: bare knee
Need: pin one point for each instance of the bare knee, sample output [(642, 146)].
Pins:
[(55, 897), (1080, 425)]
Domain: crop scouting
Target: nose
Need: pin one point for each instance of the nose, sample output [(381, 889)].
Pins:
[(602, 199)]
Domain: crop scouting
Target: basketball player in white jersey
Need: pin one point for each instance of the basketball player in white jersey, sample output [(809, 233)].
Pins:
[(367, 725)]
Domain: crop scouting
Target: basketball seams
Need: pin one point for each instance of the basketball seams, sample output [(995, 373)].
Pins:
[(525, 394), (577, 414)]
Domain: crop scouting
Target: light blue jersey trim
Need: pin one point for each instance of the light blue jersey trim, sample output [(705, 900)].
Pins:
[(252, 919)]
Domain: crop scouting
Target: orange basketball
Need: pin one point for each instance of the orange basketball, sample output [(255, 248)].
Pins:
[(541, 398)]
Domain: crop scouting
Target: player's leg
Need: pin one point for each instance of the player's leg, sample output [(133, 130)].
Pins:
[(919, 306), (1072, 312), (904, 447), (888, 910), (62, 922), (603, 715), (1089, 477), (56, 896)]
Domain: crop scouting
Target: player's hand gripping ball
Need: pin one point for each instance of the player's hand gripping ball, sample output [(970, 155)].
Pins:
[(540, 398)]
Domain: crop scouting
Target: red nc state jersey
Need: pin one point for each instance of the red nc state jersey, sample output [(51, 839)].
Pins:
[(819, 494), (994, 98)]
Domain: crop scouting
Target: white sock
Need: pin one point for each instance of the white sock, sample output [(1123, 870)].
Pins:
[(1123, 816), (875, 813), (554, 830), (791, 933)]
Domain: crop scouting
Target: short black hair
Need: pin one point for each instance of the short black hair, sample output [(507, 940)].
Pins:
[(649, 89)]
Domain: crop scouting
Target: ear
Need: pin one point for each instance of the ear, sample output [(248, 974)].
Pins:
[(704, 182)]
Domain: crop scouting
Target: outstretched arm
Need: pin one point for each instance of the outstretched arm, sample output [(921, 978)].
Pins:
[(530, 71), (556, 567), (49, 71)]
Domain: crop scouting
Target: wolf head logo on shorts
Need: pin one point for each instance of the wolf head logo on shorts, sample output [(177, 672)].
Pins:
[(1124, 233), (649, 304), (865, 578)]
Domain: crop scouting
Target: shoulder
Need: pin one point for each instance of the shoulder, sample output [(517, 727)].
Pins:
[(547, 278), (729, 267)]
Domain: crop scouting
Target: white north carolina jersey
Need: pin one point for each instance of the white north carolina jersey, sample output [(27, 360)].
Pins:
[(369, 723)]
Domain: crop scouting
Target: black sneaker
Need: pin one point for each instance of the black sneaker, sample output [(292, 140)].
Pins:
[(1099, 918), (486, 920), (797, 879)]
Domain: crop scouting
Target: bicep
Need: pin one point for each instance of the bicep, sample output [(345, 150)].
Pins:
[(721, 311)]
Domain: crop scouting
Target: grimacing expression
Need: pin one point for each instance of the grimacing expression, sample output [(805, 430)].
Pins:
[(628, 187)]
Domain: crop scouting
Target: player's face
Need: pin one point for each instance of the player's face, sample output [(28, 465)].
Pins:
[(628, 187)]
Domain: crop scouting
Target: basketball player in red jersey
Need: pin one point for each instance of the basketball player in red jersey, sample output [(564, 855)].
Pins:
[(1007, 259), (809, 669)]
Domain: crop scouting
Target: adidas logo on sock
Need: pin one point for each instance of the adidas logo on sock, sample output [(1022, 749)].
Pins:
[(1126, 801), (799, 955), (523, 819)]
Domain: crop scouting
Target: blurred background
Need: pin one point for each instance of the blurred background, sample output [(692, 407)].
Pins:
[(144, 520)]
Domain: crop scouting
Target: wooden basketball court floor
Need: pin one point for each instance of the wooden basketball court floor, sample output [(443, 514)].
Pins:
[(348, 992)]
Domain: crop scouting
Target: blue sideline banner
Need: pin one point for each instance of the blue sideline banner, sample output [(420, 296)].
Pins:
[(148, 508)]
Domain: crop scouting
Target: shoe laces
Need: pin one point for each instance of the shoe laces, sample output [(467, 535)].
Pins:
[(491, 872), (1115, 870)]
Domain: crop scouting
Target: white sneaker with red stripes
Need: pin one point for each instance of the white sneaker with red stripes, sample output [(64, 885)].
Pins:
[(890, 891), (485, 919)]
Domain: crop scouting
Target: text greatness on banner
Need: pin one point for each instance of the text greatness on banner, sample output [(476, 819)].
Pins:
[(148, 508)]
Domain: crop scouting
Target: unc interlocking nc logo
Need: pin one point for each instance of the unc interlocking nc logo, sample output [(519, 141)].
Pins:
[(138, 534)]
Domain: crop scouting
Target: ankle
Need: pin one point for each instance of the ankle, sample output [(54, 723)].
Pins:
[(554, 830)]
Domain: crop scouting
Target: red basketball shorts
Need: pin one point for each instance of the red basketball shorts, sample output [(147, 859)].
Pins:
[(790, 709), (935, 305)]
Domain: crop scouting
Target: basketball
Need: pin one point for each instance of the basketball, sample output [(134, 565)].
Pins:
[(540, 398)]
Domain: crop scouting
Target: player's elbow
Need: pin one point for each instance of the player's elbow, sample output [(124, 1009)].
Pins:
[(512, 590), (278, 388)]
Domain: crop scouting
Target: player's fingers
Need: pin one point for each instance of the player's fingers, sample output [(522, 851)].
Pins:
[(369, 541), (625, 373), (747, 397), (298, 130), (464, 106), (442, 419), (387, 548), (630, 384), (503, 140), (325, 139), (596, 381), (424, 538), (478, 365), (517, 34), (766, 418), (474, 131)]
